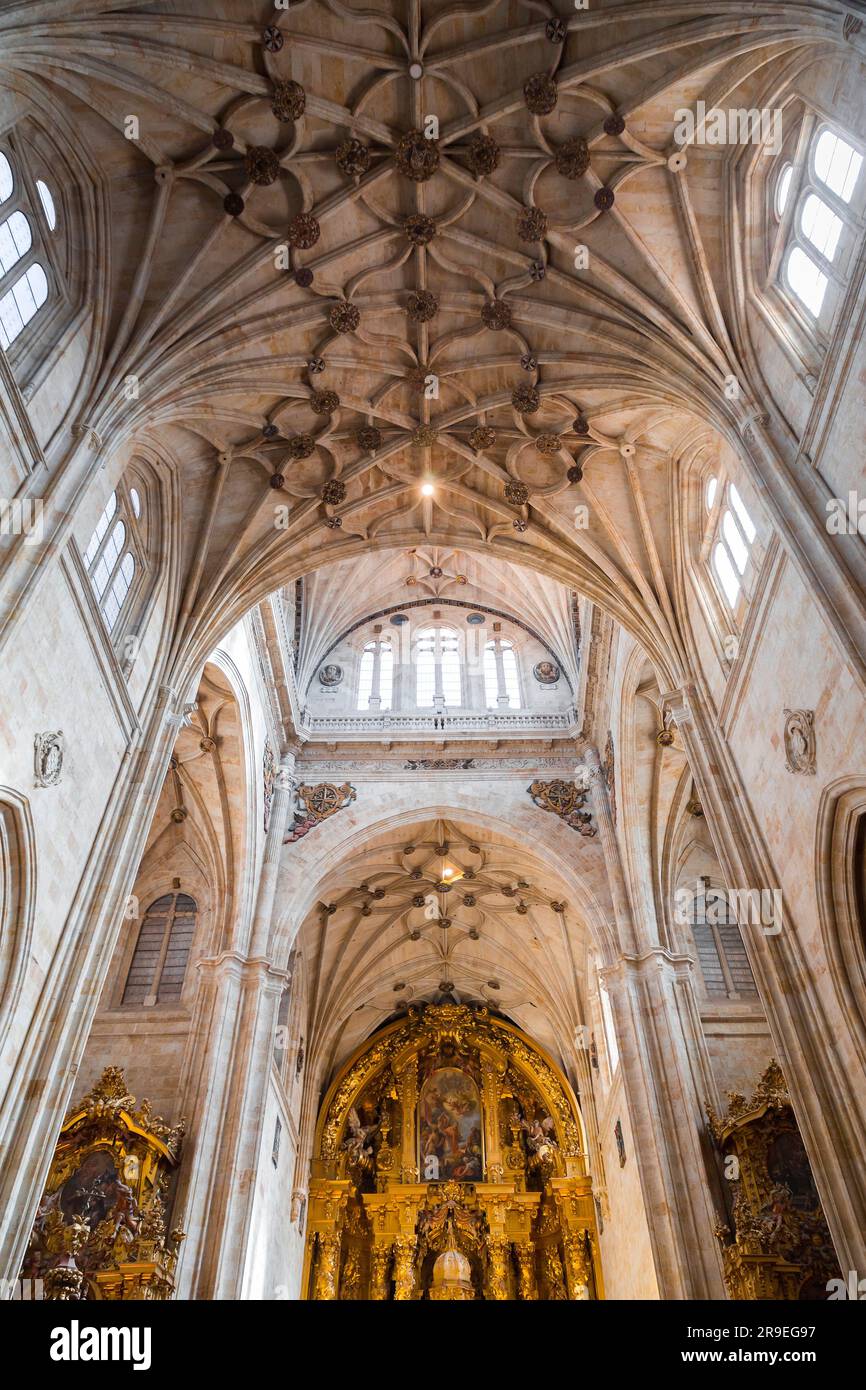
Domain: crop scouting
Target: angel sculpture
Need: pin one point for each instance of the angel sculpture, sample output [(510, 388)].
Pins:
[(539, 1137), (355, 1142)]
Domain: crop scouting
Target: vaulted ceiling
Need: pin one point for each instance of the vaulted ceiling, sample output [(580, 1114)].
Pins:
[(346, 252), (339, 596), (437, 910)]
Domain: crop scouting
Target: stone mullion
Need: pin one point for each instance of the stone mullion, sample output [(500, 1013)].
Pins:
[(501, 688), (831, 1119)]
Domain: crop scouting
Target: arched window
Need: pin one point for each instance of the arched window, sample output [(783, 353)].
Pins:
[(376, 679), (609, 1031), (24, 282), (161, 951), (719, 946), (731, 536), (114, 552), (823, 223), (783, 188), (437, 668), (501, 682)]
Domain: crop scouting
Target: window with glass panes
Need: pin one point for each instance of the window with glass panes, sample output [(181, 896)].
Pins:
[(110, 557), (162, 950), (733, 535), (376, 676), (501, 681), (25, 222), (825, 220), (437, 667), (719, 945)]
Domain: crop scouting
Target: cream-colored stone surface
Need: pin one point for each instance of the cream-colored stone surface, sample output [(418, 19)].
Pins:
[(244, 589)]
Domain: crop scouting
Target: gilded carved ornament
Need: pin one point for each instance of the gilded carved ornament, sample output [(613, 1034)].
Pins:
[(100, 1230), (461, 1025), (775, 1240), (507, 1214)]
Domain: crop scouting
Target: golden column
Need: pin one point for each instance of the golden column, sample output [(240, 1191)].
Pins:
[(407, 1085), (497, 1268), (524, 1252), (578, 1262), (492, 1069), (380, 1262), (404, 1268), (327, 1265)]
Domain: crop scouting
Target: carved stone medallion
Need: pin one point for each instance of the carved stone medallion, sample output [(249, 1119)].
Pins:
[(800, 750), (48, 758)]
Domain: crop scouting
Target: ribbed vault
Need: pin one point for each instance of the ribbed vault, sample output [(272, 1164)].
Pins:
[(346, 253), (442, 910)]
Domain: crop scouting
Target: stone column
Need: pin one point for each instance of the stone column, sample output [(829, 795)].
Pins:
[(661, 1054), (282, 809), (603, 815), (817, 1030), (228, 1069), (226, 1074)]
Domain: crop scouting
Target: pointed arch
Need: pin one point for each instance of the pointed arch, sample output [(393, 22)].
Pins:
[(17, 899)]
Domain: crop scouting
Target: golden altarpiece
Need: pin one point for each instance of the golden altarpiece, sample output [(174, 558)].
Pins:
[(449, 1164), (775, 1242), (101, 1228)]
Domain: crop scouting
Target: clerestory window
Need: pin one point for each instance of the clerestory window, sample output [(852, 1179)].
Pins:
[(162, 950), (114, 552), (823, 224), (376, 678), (501, 681), (437, 668), (731, 536), (25, 222)]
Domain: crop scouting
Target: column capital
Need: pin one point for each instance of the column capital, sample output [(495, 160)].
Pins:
[(679, 702), (246, 969), (589, 770)]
